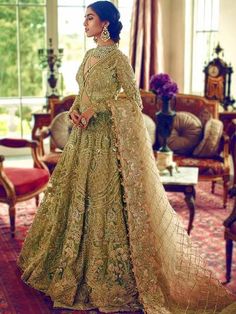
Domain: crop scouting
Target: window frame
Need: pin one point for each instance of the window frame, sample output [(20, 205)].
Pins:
[(192, 50)]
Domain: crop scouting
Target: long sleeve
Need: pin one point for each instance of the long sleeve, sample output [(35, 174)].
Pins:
[(127, 80), (75, 104)]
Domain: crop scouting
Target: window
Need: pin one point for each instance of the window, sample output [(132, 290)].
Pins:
[(25, 25), (205, 38), (22, 24)]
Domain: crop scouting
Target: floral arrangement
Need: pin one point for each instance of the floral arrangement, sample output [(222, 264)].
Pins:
[(163, 86)]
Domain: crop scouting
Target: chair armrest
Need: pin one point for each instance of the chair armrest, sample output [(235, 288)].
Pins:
[(6, 183), (225, 150), (226, 145), (44, 132), (16, 143), (21, 143), (35, 155)]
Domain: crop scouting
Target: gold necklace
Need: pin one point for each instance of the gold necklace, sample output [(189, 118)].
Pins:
[(98, 53), (101, 51)]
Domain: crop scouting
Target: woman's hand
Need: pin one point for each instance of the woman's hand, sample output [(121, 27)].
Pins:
[(85, 117), (75, 117)]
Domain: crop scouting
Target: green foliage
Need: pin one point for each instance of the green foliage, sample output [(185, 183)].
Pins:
[(32, 1), (8, 64), (25, 112), (32, 37), (3, 110)]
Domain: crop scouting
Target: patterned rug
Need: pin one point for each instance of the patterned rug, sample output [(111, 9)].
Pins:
[(207, 234)]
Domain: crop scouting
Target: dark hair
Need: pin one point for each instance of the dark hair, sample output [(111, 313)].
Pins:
[(108, 12)]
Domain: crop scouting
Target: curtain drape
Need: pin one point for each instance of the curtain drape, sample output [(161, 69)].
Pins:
[(145, 42)]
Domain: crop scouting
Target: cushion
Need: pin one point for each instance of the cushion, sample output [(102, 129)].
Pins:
[(204, 116), (151, 127), (25, 180), (209, 145), (186, 133), (60, 129)]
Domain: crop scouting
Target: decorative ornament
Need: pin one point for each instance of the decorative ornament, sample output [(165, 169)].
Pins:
[(218, 80), (105, 35), (51, 60)]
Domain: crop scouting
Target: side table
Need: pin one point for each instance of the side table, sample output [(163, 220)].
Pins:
[(183, 181)]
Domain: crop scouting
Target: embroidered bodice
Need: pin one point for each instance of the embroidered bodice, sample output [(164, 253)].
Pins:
[(102, 74)]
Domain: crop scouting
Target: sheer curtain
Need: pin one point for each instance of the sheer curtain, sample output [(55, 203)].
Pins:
[(146, 42)]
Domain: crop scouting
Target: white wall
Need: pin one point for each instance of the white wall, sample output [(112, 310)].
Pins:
[(173, 16), (227, 36)]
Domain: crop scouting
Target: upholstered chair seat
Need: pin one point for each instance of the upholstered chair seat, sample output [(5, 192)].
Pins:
[(25, 180), (20, 184)]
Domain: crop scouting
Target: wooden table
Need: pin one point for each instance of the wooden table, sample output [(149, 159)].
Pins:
[(183, 181)]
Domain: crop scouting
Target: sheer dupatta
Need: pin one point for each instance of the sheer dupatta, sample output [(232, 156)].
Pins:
[(171, 275)]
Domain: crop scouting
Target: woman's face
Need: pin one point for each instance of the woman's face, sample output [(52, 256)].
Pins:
[(92, 23)]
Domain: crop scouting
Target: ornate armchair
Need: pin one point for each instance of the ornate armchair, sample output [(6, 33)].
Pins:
[(57, 131), (20, 184), (212, 167)]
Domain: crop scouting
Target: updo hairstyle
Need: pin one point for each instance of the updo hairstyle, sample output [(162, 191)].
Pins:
[(108, 12)]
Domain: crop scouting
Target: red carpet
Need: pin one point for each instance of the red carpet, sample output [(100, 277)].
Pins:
[(16, 297)]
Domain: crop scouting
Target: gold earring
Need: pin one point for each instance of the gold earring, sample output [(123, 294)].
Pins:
[(105, 35)]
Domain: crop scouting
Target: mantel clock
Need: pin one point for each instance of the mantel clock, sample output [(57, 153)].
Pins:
[(218, 80)]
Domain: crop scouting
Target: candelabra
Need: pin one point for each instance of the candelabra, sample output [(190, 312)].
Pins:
[(51, 60)]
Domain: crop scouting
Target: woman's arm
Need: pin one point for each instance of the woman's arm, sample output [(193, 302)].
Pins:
[(127, 80)]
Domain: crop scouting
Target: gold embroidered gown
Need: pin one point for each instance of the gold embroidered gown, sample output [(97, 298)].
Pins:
[(105, 235)]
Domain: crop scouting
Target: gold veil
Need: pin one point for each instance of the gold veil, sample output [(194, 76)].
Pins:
[(170, 273)]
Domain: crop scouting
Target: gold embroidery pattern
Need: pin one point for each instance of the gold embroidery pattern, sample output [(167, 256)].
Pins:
[(77, 250)]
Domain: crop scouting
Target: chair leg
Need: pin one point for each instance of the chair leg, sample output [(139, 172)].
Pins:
[(12, 214), (226, 187), (213, 184), (229, 251), (37, 200)]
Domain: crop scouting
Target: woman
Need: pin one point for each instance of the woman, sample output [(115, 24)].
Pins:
[(105, 235)]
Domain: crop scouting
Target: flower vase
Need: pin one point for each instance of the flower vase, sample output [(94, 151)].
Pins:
[(164, 121)]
